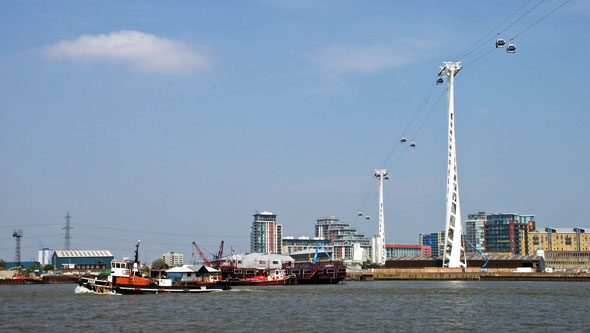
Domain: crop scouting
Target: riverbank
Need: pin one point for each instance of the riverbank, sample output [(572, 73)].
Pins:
[(49, 279), (454, 275)]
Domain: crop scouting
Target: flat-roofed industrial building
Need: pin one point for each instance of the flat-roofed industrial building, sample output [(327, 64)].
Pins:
[(82, 259)]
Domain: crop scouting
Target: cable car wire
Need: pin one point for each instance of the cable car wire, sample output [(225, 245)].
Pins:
[(541, 19), (522, 16), (493, 30)]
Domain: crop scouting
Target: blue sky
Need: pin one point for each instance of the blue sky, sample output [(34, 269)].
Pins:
[(176, 122)]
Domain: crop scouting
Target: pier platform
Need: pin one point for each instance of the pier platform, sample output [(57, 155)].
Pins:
[(452, 274)]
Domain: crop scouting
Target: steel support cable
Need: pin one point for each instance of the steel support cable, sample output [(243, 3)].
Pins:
[(421, 106), (494, 29), (367, 193), (152, 232), (479, 57), (541, 19), (519, 33), (508, 27), (522, 16), (429, 114)]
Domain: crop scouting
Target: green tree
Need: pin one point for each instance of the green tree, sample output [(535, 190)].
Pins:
[(48, 268), (159, 263), (32, 268), (2, 264)]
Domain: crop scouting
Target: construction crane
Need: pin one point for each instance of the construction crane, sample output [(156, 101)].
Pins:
[(205, 261), (315, 257), (481, 253), (219, 255)]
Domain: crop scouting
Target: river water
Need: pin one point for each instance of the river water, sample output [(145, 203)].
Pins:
[(351, 306)]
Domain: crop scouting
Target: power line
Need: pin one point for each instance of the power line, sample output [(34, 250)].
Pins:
[(28, 225)]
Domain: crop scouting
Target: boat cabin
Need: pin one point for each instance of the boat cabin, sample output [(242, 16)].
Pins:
[(121, 268), (191, 273)]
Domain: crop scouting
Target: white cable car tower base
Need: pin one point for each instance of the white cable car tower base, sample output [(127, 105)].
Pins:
[(454, 250)]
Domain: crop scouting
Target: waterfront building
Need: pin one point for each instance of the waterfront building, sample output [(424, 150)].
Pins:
[(475, 232), (173, 259), (346, 242), (303, 243), (474, 261), (44, 256), (82, 260), (266, 235), (408, 251), (504, 232), (577, 261), (559, 239), (436, 241)]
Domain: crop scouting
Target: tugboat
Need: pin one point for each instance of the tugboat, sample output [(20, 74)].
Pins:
[(125, 278)]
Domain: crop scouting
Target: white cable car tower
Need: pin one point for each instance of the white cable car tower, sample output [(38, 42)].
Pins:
[(454, 250), (380, 246)]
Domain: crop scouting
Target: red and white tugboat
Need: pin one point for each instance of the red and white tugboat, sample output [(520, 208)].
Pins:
[(125, 278)]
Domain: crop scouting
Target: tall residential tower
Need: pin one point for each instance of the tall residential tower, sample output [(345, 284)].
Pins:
[(266, 235)]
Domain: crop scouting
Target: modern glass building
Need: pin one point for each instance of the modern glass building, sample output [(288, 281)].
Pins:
[(505, 232), (475, 232), (266, 235), (436, 241), (341, 237)]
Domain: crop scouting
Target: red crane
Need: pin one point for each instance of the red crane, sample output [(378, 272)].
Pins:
[(205, 261), (219, 254)]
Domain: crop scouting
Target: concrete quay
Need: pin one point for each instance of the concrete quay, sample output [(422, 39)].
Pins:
[(446, 274)]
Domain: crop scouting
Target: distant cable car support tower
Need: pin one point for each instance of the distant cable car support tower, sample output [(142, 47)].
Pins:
[(454, 251), (379, 256)]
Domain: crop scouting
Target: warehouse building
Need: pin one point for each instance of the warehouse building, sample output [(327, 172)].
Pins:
[(536, 263), (82, 260)]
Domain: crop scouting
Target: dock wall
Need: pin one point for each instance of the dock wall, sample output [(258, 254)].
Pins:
[(440, 274)]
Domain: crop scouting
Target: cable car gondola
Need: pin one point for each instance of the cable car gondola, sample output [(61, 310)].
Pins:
[(360, 213), (439, 81), (412, 144), (367, 217), (511, 48), (403, 139)]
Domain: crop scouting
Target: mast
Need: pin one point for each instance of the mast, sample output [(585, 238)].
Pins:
[(454, 251)]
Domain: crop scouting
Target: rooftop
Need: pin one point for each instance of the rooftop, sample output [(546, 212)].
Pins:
[(83, 253)]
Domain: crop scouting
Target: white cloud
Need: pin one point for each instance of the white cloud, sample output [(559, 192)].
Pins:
[(355, 58), (141, 51)]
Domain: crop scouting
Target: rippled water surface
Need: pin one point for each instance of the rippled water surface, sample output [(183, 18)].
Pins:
[(359, 306)]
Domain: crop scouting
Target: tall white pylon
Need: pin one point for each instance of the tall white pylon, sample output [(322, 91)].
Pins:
[(454, 250), (380, 246)]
